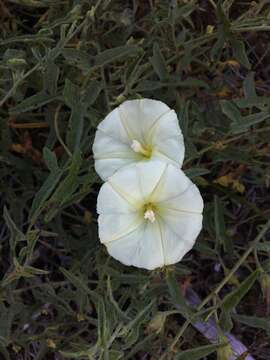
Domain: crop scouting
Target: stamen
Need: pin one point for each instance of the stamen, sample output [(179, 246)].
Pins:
[(138, 148), (150, 215)]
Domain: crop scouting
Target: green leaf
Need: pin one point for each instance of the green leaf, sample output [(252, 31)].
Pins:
[(51, 76), (3, 350), (216, 50), (177, 296), (78, 58), (15, 233), (148, 85), (183, 11), (80, 284), (133, 327), (220, 226), (44, 193), (239, 52), (50, 159), (20, 271), (263, 246), (196, 171), (34, 102), (249, 121), (76, 121), (121, 313), (71, 94), (254, 321), (91, 93), (249, 86), (75, 128), (224, 31), (33, 38), (110, 55), (231, 300), (158, 63), (183, 116), (65, 189), (223, 19), (80, 354), (198, 353), (32, 237), (102, 329), (142, 345), (231, 111), (225, 321)]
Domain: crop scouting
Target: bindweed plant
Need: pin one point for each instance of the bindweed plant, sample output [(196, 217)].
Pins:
[(64, 66)]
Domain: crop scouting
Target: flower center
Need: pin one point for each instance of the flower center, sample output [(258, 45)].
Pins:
[(149, 213), (138, 148)]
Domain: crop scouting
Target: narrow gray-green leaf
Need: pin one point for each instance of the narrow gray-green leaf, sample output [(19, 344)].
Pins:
[(220, 226), (196, 171), (50, 159), (65, 188), (75, 128), (232, 299), (249, 86), (249, 121), (79, 283), (71, 94), (34, 102), (230, 110), (239, 52), (110, 55), (254, 321), (158, 62), (148, 85), (177, 296), (51, 76), (15, 233), (44, 193), (91, 93)]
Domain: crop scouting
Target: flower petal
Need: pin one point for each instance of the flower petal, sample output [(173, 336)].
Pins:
[(189, 201), (110, 165), (149, 123), (141, 248), (142, 241), (104, 145), (167, 139), (111, 202), (112, 226), (170, 150), (179, 234), (112, 126), (139, 116), (138, 181), (173, 183)]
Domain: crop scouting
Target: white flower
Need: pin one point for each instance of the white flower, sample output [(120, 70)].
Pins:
[(137, 130), (150, 214)]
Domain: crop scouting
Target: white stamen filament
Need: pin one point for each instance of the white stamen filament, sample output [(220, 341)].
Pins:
[(138, 148), (150, 215)]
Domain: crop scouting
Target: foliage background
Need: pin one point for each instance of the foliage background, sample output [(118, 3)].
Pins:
[(63, 66)]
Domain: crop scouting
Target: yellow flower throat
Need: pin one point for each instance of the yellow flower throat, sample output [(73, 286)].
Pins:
[(138, 148)]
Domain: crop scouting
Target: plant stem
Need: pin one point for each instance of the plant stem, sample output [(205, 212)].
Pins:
[(215, 292)]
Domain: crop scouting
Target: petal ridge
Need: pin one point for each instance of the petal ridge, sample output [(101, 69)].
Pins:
[(123, 195), (133, 227)]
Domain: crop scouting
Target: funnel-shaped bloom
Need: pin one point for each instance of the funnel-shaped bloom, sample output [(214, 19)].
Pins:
[(150, 214), (135, 131)]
